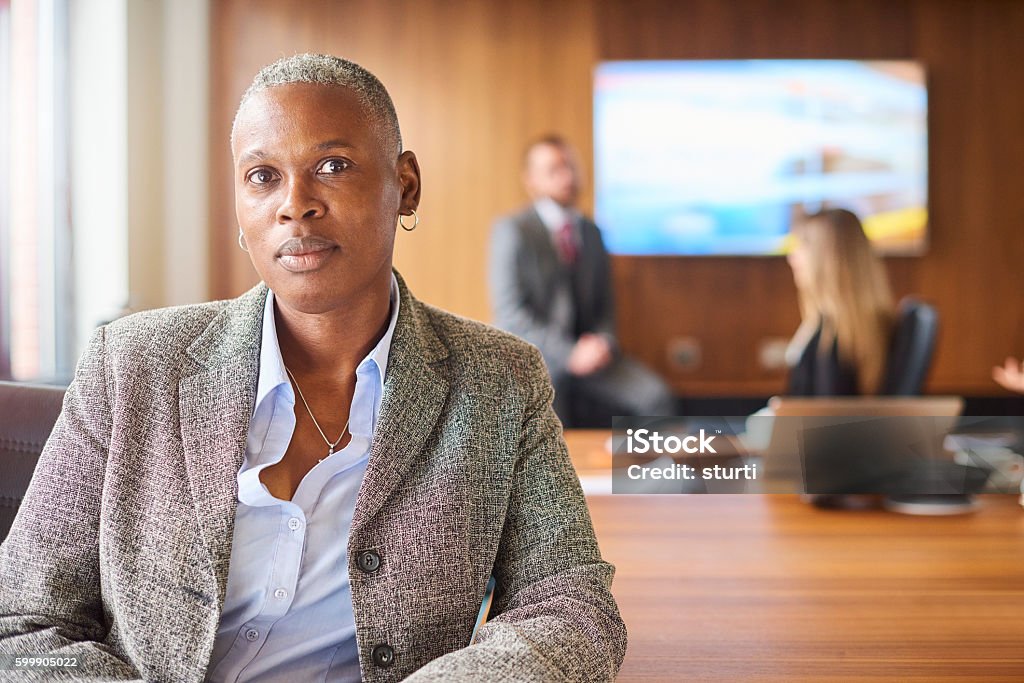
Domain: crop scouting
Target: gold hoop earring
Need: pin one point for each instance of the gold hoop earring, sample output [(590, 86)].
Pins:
[(241, 241), (415, 222)]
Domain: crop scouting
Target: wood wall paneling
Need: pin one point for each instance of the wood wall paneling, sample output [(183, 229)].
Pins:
[(472, 80)]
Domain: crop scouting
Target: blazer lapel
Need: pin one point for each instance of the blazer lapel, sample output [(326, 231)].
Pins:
[(547, 257), (415, 391), (216, 404)]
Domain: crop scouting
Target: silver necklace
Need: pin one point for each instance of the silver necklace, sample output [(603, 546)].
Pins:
[(330, 446)]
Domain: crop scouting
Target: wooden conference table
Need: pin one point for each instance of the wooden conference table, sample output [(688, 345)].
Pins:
[(749, 587)]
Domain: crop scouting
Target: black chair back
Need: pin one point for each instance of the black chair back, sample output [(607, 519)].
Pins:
[(912, 348), (27, 414)]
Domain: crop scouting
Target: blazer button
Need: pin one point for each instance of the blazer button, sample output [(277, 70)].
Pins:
[(383, 656), (368, 561)]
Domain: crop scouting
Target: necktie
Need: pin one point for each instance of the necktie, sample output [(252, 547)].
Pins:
[(565, 242)]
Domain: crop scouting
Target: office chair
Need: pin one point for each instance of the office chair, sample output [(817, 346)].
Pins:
[(911, 349), (27, 414)]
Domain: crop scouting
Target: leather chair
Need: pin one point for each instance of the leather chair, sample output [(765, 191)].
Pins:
[(912, 348), (27, 415)]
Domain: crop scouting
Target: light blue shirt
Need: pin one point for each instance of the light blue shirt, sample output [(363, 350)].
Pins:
[(288, 609)]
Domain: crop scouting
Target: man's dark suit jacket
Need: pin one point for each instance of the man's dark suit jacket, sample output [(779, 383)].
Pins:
[(537, 297)]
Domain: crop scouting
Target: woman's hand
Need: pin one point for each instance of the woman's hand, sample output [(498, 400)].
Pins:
[(1010, 375)]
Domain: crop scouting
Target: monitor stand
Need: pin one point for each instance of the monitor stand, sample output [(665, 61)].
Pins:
[(933, 504)]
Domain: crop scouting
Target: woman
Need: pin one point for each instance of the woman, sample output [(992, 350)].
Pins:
[(317, 480), (846, 307)]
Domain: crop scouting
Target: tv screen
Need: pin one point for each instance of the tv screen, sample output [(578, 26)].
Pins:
[(720, 157)]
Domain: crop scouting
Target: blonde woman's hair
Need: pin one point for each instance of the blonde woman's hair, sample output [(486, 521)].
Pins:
[(846, 292)]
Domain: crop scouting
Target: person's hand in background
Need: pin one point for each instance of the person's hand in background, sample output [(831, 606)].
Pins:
[(591, 353), (1010, 375)]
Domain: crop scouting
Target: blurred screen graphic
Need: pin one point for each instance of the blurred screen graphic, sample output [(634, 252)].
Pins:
[(719, 157)]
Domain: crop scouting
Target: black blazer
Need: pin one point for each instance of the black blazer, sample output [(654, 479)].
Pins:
[(822, 374)]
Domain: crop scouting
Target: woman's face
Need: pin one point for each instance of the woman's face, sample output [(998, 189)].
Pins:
[(799, 261), (318, 190)]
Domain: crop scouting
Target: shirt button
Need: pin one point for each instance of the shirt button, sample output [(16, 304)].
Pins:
[(280, 594), (252, 634), (383, 656), (294, 523), (368, 561)]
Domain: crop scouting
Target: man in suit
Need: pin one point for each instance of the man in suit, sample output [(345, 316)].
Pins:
[(550, 283), (316, 480)]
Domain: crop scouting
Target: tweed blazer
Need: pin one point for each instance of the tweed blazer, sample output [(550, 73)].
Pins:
[(119, 554)]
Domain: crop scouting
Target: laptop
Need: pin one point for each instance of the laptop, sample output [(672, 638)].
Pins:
[(835, 446), (839, 406)]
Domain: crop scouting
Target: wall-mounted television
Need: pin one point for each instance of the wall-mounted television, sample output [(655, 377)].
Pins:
[(720, 157)]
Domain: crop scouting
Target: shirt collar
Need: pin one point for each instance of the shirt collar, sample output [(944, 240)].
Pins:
[(272, 371), (553, 214), (382, 351)]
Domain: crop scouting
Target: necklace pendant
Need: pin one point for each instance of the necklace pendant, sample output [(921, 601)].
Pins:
[(330, 451)]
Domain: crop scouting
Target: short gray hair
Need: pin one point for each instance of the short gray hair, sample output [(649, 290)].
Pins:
[(331, 70)]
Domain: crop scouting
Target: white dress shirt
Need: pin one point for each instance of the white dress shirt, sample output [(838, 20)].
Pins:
[(553, 215), (288, 609)]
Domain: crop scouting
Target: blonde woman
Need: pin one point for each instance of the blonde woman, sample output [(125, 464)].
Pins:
[(846, 306)]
